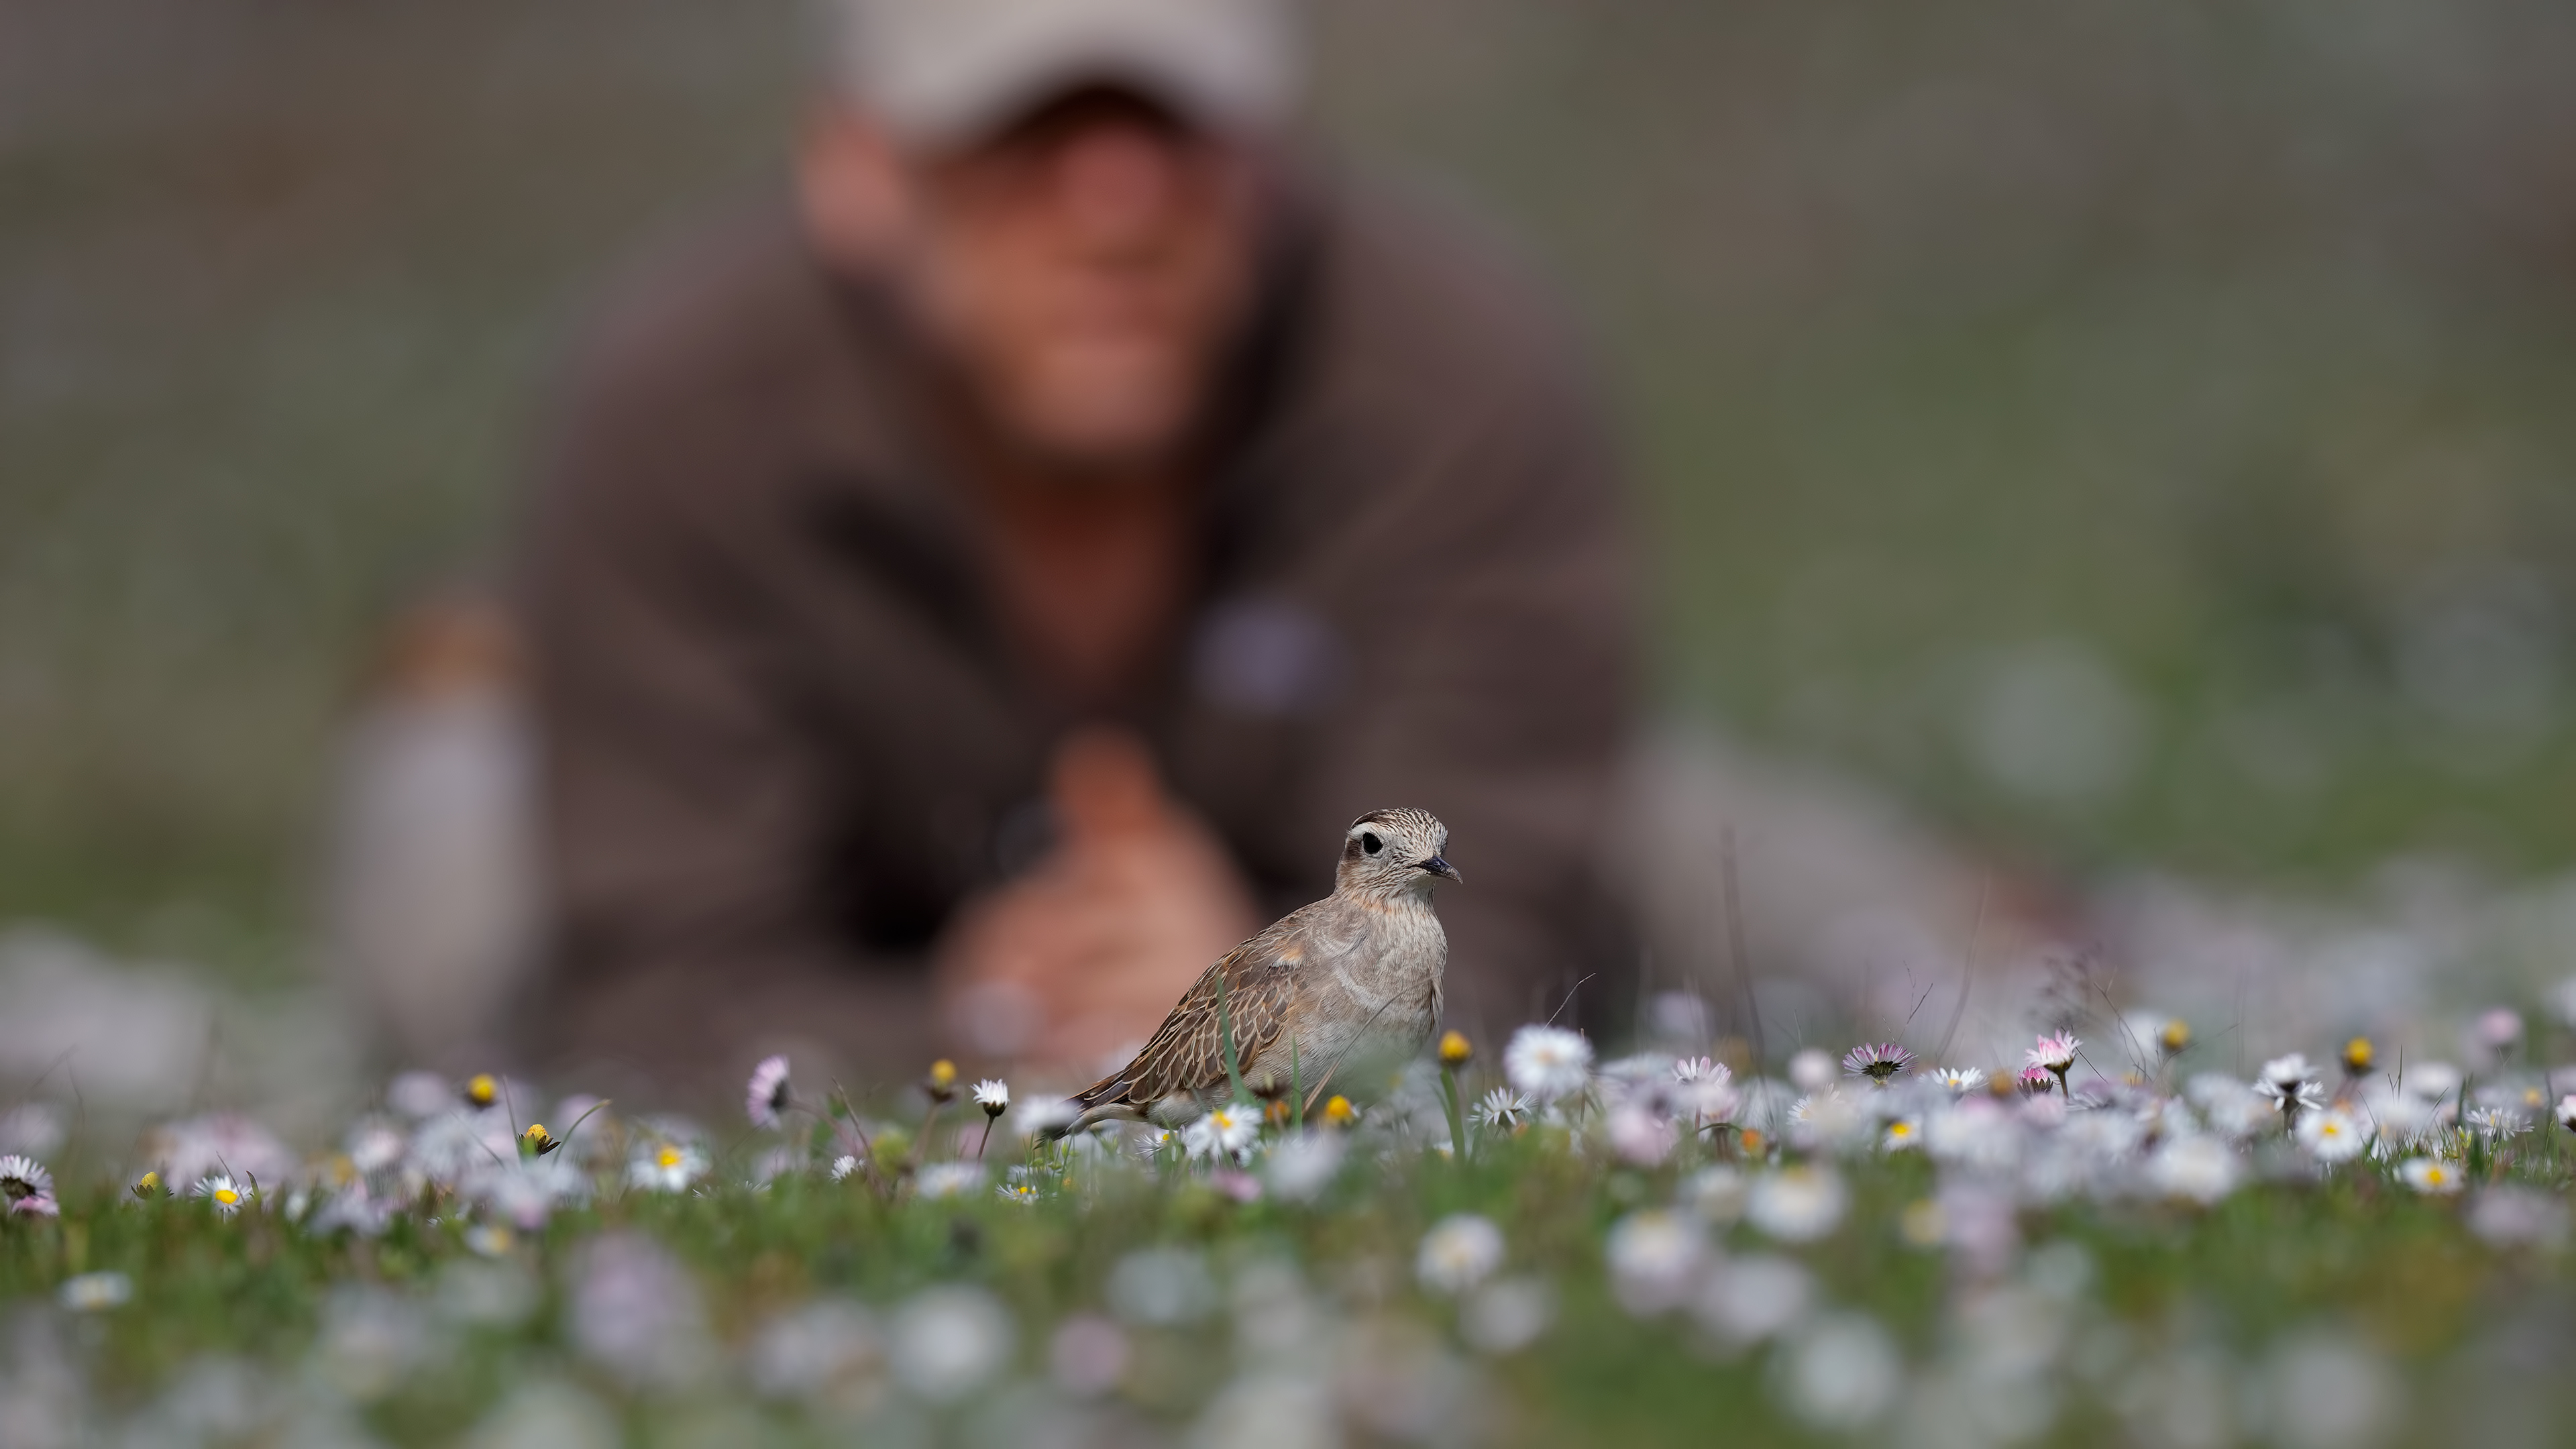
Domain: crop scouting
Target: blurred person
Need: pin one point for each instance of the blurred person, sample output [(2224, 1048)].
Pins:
[(969, 595)]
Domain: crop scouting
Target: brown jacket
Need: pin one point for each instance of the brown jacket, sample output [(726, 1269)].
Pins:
[(784, 737)]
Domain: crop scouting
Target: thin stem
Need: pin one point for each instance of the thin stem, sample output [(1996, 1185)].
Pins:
[(1225, 1029), (1735, 948), (1457, 1123)]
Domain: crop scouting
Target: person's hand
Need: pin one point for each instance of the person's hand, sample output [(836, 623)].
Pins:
[(1083, 957)]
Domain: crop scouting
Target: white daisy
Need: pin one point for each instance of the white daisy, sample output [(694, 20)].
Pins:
[(2333, 1135), (1301, 1167), (1961, 1081), (2431, 1176), (1504, 1110), (1548, 1063), (2289, 1085), (843, 1166), (227, 1196), (993, 1095), (1460, 1251), (666, 1166), (1796, 1204), (1229, 1130), (2194, 1166), (1655, 1260), (1811, 1070), (2432, 1081), (1044, 1114), (95, 1292), (947, 1179), (2495, 1122)]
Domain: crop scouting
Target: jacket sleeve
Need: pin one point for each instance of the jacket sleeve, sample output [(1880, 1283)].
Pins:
[(686, 809)]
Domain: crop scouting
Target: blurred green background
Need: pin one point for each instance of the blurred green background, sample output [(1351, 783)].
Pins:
[(2129, 433)]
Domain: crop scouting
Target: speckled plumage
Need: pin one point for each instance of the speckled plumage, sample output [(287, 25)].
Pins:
[(1327, 991)]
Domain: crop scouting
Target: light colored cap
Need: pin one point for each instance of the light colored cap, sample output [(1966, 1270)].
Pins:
[(942, 72)]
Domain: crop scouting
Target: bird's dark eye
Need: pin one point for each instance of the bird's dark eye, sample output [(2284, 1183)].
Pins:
[(1370, 843)]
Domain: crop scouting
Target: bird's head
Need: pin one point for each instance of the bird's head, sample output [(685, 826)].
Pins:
[(1392, 852)]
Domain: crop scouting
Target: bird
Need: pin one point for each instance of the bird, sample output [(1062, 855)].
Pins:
[(1349, 982)]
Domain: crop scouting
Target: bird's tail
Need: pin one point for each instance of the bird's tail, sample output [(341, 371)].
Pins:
[(1093, 1116)]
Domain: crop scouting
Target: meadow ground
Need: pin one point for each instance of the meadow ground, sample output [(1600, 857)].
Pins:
[(1624, 1256)]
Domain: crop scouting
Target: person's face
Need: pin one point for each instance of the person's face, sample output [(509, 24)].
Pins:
[(1084, 269)]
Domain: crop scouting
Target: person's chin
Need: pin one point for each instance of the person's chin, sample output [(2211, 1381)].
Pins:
[(1107, 425)]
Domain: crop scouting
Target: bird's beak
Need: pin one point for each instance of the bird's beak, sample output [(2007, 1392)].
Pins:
[(1438, 866)]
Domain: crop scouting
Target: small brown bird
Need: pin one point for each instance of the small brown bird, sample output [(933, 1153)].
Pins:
[(1349, 983)]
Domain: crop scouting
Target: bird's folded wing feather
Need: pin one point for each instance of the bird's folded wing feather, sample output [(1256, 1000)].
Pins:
[(1187, 1054)]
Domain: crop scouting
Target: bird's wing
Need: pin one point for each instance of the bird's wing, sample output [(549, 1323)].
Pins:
[(1187, 1053)]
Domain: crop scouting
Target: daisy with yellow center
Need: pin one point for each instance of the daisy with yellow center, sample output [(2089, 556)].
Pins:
[(1904, 1133), (148, 1186), (226, 1196), (666, 1167), (2431, 1176), (1455, 1049), (482, 1091), (1339, 1112)]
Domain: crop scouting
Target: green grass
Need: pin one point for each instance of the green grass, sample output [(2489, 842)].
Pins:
[(2357, 1257)]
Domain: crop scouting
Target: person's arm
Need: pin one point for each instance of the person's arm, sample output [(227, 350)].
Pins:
[(687, 811)]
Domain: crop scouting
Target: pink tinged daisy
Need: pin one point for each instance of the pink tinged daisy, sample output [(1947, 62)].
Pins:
[(1878, 1062), (26, 1189), (2037, 1080), (1641, 1137), (225, 1195), (2431, 1176), (765, 1099), (2054, 1054)]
